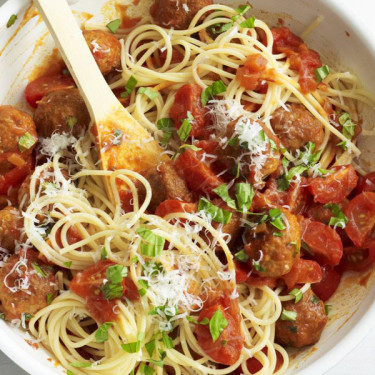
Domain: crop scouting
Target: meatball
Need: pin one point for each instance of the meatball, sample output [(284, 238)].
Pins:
[(166, 184), (105, 48), (296, 127), (273, 251), (26, 284), (11, 228), (309, 324), (176, 13), (15, 125), (62, 111)]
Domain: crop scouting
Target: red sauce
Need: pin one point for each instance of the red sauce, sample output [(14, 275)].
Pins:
[(126, 21)]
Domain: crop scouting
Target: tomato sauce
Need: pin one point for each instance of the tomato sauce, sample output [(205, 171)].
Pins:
[(127, 22)]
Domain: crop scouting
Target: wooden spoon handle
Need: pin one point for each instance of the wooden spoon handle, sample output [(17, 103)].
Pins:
[(78, 58)]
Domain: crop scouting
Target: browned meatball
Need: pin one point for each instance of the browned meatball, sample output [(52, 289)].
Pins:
[(11, 225), (62, 111), (166, 184), (273, 251), (309, 324), (105, 48), (176, 13), (26, 284), (17, 134), (297, 127)]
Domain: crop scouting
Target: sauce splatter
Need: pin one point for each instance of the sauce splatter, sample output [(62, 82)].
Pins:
[(51, 64), (127, 22)]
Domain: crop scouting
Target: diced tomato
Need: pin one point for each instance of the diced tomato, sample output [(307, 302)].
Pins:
[(366, 183), (361, 219), (175, 205), (303, 271), (72, 236), (357, 259), (227, 348), (322, 240), (15, 176), (323, 214), (208, 146), (87, 285), (36, 89), (331, 277), (334, 187), (302, 58), (126, 199), (188, 99), (252, 74), (198, 176), (177, 56)]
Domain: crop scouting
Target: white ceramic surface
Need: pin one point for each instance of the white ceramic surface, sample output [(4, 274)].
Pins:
[(356, 52)]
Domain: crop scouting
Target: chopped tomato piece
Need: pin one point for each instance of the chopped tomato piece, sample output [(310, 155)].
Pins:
[(322, 241), (36, 89), (357, 259), (188, 99), (303, 271), (254, 72), (198, 176), (331, 277), (87, 284), (72, 236), (15, 176), (175, 205), (227, 348), (361, 219), (284, 40), (243, 275), (177, 56), (208, 146), (366, 183), (335, 187)]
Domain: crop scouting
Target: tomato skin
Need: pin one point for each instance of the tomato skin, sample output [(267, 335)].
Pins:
[(335, 187), (361, 219), (366, 183), (188, 99), (174, 205), (87, 285), (303, 271), (15, 176), (198, 176), (357, 259), (230, 352), (331, 277), (36, 89), (322, 240)]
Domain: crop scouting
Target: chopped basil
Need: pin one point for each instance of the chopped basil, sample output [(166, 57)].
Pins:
[(308, 157), (103, 254), (283, 182), (241, 10), (26, 142), (338, 219), (68, 372), (219, 28), (244, 196), (80, 364), (191, 320), (117, 134), (101, 334), (306, 247), (233, 142), (348, 126), (249, 23), (145, 370), (144, 288), (156, 362), (293, 329), (132, 347), (112, 291), (185, 128), (12, 20), (217, 325), (327, 309), (165, 124), (167, 341), (71, 121), (343, 145), (113, 288), (241, 256), (116, 273), (152, 245), (151, 94), (276, 218), (288, 315), (129, 87), (27, 316), (297, 294), (135, 260), (2, 316), (68, 264), (257, 266), (218, 87), (39, 270), (222, 192), (150, 347), (278, 234), (321, 73), (49, 298), (190, 147), (114, 25), (315, 299), (217, 214)]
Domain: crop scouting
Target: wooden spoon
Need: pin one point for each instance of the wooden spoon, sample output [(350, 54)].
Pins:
[(122, 142)]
